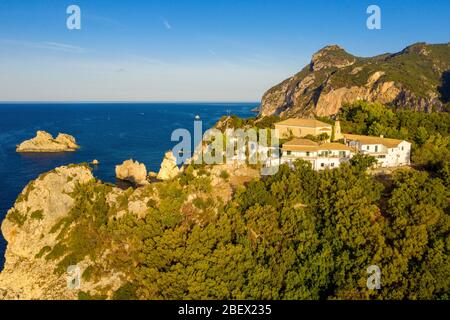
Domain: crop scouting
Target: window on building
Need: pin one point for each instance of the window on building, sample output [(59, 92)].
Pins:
[(322, 165), (332, 164), (403, 148), (368, 147), (341, 154), (288, 153), (307, 153), (376, 148)]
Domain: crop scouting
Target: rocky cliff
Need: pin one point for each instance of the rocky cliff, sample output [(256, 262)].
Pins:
[(67, 219), (416, 78), (55, 225), (27, 229), (44, 142)]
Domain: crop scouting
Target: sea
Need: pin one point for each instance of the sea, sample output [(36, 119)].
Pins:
[(108, 132)]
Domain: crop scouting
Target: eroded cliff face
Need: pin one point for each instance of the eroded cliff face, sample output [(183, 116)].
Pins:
[(67, 218), (410, 79), (29, 229)]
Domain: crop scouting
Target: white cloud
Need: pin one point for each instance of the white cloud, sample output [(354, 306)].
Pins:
[(62, 47), (49, 45), (166, 24)]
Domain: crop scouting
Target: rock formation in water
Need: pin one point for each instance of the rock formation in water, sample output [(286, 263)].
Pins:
[(44, 142), (415, 78), (132, 171), (169, 168)]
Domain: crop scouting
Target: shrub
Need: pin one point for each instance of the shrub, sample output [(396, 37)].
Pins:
[(88, 273), (26, 192), (37, 215), (16, 217), (126, 292), (43, 251), (58, 251), (224, 175), (87, 296)]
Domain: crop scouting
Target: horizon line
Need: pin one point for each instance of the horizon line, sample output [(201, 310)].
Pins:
[(120, 101)]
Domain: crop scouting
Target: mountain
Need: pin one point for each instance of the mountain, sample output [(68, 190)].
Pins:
[(416, 78)]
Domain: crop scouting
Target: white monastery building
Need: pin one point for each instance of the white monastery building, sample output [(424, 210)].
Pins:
[(321, 156), (388, 152)]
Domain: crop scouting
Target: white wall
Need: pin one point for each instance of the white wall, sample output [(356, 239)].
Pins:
[(318, 162), (300, 154), (399, 156), (387, 157), (323, 163)]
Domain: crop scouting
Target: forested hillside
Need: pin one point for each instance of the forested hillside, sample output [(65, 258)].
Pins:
[(299, 234)]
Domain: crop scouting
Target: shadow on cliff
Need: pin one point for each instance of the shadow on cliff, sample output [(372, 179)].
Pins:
[(444, 88)]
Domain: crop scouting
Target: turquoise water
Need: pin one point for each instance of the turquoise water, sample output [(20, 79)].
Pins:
[(109, 132)]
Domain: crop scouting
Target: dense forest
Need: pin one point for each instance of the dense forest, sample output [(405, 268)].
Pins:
[(299, 234)]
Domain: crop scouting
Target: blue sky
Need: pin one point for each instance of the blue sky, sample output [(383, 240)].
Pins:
[(190, 50)]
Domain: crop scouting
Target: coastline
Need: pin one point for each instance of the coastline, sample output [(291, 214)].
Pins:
[(103, 133)]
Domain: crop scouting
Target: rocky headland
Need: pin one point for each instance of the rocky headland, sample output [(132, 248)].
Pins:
[(65, 218)]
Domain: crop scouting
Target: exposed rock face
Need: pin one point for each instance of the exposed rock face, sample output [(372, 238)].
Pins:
[(329, 104), (27, 227), (239, 174), (169, 168), (68, 140), (331, 56), (132, 171), (410, 79), (44, 142), (35, 228)]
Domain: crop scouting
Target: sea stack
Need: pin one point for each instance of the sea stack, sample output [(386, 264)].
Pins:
[(44, 142), (169, 168), (132, 171)]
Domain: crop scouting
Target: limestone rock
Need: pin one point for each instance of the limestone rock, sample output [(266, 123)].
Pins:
[(169, 168), (132, 171), (27, 229), (331, 57), (67, 140), (44, 142), (335, 77)]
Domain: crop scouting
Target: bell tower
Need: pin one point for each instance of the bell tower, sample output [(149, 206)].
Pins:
[(337, 134)]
